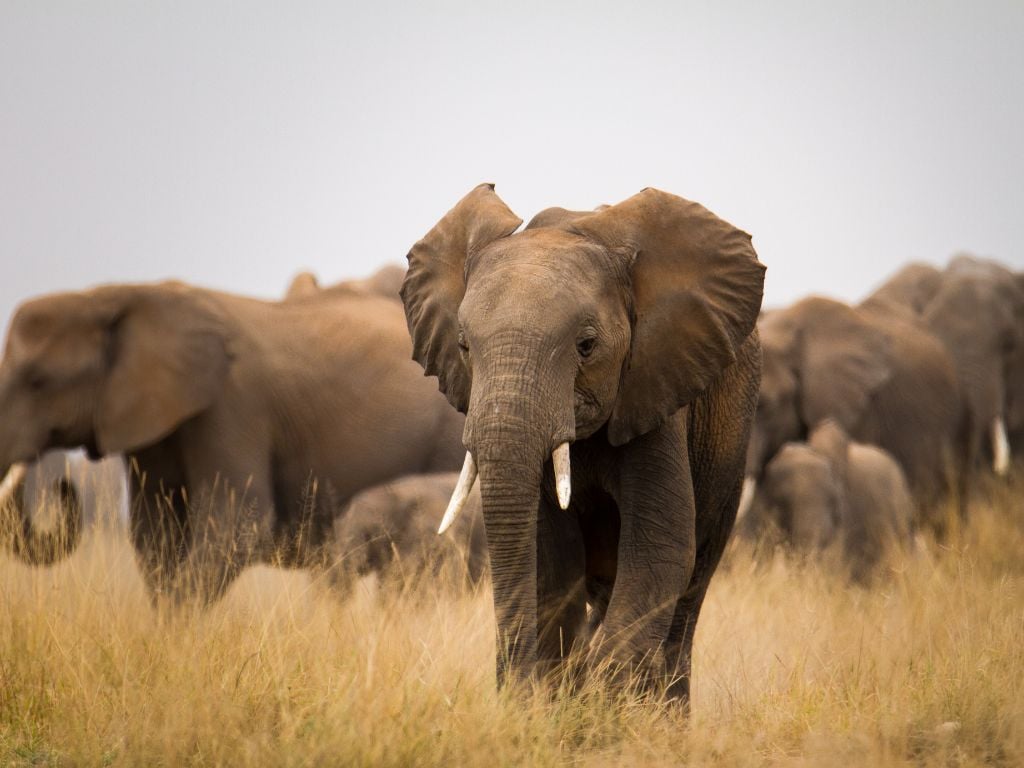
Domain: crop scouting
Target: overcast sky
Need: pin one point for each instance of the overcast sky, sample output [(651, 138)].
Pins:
[(232, 144)]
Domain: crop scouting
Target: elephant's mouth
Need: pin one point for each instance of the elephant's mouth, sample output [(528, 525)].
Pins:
[(467, 478)]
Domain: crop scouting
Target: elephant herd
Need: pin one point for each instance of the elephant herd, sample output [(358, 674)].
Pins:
[(605, 380), (923, 381)]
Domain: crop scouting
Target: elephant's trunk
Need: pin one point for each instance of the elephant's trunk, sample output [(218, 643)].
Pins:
[(510, 491), (31, 545), (520, 414)]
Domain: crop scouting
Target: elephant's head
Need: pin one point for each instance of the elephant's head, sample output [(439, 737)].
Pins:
[(822, 359), (611, 320), (113, 369)]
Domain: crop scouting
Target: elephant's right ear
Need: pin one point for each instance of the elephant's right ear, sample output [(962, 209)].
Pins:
[(436, 283), (168, 361)]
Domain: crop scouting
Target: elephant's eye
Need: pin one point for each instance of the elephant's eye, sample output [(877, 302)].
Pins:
[(36, 381), (462, 341), (585, 346)]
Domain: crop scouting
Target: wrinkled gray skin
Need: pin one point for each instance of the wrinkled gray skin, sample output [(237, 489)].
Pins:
[(386, 281), (976, 308), (391, 531), (831, 491), (246, 424), (885, 380), (628, 333)]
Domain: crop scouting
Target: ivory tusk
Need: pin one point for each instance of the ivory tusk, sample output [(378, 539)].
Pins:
[(14, 476), (462, 488), (746, 497), (1000, 447), (563, 477)]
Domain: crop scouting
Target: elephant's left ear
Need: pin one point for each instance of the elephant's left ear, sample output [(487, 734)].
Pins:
[(697, 287)]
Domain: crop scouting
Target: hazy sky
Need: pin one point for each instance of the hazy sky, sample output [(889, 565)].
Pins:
[(232, 144)]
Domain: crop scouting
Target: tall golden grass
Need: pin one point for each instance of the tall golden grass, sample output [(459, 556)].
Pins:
[(793, 666)]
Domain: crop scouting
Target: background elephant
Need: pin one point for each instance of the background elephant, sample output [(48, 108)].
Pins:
[(629, 334), (831, 490), (246, 424), (885, 380), (386, 282), (391, 530), (976, 308)]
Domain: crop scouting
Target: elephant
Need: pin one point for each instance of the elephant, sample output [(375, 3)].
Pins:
[(884, 379), (245, 424), (391, 530), (833, 491), (626, 337), (976, 308), (386, 281)]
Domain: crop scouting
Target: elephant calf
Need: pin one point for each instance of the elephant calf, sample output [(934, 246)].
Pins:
[(831, 490), (391, 530)]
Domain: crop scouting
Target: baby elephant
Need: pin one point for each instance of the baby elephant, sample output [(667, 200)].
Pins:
[(834, 491), (391, 530)]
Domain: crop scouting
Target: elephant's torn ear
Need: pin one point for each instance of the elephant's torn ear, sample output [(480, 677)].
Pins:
[(697, 287), (168, 360), (436, 283)]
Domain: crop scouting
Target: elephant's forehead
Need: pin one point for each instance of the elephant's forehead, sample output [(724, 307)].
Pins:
[(549, 256)]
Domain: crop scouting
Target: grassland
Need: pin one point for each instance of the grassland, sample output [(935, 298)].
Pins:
[(792, 667)]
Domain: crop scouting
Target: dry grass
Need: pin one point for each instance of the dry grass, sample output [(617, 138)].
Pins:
[(793, 667)]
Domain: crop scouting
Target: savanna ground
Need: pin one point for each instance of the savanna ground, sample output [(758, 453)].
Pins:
[(792, 667)]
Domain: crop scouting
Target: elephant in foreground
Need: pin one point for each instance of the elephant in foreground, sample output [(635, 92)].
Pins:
[(246, 424), (624, 338), (386, 281), (976, 308), (391, 530), (833, 491), (885, 380)]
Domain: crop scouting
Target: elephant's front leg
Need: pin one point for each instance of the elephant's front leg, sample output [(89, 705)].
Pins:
[(231, 524), (655, 554), (231, 513)]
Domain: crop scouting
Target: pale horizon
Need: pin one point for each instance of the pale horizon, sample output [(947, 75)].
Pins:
[(234, 148)]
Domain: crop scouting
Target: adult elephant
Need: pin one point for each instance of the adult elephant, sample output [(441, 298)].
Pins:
[(246, 424), (833, 491), (629, 334), (885, 380), (976, 308)]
